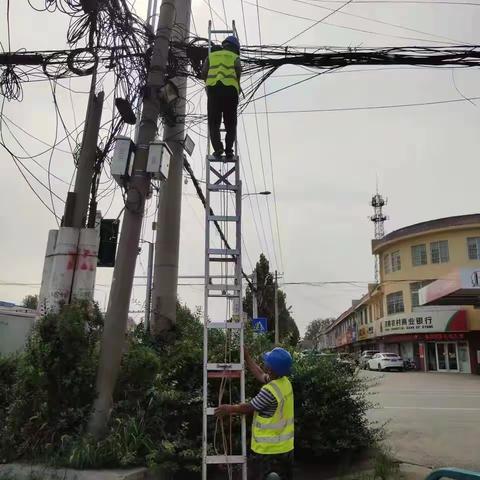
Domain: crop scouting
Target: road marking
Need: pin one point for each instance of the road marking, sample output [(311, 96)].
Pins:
[(466, 409)]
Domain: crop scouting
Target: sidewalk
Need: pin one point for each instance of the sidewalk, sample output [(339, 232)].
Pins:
[(311, 472)]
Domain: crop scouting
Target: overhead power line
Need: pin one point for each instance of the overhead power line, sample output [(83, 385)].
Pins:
[(318, 22), (406, 2), (445, 41), (370, 107)]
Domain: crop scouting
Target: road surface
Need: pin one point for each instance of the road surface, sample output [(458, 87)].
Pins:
[(434, 418)]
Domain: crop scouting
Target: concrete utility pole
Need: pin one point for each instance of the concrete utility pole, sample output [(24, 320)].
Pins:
[(254, 294), (164, 293), (71, 256), (88, 157), (148, 297), (113, 337), (277, 331)]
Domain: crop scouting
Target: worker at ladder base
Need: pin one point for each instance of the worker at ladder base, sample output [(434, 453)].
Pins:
[(221, 71), (273, 415)]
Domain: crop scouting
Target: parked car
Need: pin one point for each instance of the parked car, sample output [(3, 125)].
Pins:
[(366, 356), (386, 361)]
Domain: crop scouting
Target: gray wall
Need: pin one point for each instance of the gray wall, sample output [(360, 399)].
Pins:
[(15, 327)]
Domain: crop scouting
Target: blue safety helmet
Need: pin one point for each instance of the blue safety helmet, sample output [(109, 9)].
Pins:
[(279, 361), (232, 40)]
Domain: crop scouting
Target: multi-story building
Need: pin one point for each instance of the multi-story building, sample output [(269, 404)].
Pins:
[(390, 318)]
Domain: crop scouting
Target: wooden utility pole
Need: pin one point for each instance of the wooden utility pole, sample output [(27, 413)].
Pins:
[(167, 246), (113, 337)]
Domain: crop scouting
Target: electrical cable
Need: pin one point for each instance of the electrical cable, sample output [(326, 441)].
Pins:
[(271, 159), (381, 22), (317, 22), (259, 149), (370, 107), (17, 162)]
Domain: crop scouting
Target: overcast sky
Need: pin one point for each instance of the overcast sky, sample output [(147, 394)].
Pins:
[(325, 164)]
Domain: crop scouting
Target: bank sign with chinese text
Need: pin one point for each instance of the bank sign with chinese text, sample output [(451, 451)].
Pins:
[(424, 322)]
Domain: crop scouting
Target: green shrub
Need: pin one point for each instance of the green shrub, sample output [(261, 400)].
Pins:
[(8, 369), (157, 412), (54, 383), (331, 408)]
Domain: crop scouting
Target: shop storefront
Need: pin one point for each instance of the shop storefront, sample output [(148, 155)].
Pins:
[(436, 340), (448, 357)]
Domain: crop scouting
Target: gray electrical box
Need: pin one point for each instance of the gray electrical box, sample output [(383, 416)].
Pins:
[(159, 156), (121, 166)]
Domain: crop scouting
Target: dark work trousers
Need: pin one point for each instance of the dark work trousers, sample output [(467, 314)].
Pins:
[(222, 102), (281, 464)]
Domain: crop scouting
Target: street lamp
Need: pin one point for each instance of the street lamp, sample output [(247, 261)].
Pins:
[(266, 192)]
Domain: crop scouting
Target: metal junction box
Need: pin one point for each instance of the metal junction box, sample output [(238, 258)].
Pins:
[(159, 156), (122, 159)]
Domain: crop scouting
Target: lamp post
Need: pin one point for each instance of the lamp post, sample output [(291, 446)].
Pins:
[(265, 193)]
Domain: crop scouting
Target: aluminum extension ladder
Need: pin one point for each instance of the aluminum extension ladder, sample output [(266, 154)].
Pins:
[(223, 290)]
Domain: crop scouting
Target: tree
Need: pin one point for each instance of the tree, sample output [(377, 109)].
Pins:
[(316, 329), (266, 303), (30, 301)]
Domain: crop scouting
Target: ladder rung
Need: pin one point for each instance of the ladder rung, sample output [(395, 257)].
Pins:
[(223, 459), (222, 159), (221, 367), (233, 325), (221, 277), (223, 287), (223, 31), (220, 188), (222, 251), (222, 259), (225, 296), (223, 218), (226, 374)]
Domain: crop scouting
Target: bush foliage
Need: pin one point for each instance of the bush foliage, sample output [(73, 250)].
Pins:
[(47, 392)]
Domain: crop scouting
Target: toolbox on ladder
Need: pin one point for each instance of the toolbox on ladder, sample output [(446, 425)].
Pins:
[(223, 286)]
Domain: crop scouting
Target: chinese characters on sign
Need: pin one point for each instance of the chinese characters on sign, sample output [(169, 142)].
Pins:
[(408, 323), (424, 322)]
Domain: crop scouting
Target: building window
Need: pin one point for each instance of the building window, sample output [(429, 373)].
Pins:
[(386, 263), (414, 288), (396, 263), (439, 251), (395, 303), (473, 248), (419, 255)]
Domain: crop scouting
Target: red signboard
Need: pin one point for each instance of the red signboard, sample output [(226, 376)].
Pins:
[(424, 337)]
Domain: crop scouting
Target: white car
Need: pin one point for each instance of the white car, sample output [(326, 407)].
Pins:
[(385, 361)]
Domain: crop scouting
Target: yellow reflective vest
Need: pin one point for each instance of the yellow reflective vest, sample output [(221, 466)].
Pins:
[(222, 69), (274, 435)]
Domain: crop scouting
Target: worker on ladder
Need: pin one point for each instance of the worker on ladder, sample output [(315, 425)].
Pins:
[(221, 71), (273, 416)]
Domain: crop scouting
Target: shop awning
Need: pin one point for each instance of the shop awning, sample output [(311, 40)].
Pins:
[(459, 287)]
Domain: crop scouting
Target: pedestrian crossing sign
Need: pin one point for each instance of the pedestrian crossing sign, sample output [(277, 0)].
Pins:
[(259, 325)]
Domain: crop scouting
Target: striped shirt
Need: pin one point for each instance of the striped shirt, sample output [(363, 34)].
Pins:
[(264, 403)]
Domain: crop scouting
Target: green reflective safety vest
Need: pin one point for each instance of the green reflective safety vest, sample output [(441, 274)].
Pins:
[(222, 69), (274, 435)]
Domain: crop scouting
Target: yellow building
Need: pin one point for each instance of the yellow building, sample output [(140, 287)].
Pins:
[(389, 317)]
